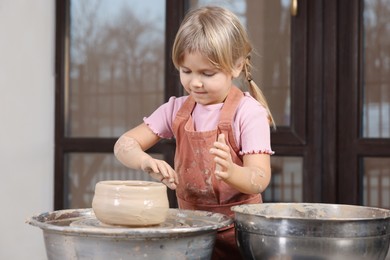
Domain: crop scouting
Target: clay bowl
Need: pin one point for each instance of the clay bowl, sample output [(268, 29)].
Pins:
[(130, 203)]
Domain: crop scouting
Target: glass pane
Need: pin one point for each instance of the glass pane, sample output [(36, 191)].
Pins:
[(376, 107), (269, 27), (116, 68), (376, 182), (286, 182), (85, 170)]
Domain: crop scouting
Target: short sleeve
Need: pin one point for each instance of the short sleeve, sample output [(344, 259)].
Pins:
[(160, 121), (254, 127)]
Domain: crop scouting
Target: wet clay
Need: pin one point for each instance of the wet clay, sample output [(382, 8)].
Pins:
[(125, 144), (130, 203), (256, 176)]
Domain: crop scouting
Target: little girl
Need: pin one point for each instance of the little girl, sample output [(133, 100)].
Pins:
[(222, 134)]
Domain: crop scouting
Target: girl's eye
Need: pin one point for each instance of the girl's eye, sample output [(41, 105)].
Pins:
[(208, 74), (186, 71)]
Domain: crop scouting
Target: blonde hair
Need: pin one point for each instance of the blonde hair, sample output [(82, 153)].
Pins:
[(217, 34)]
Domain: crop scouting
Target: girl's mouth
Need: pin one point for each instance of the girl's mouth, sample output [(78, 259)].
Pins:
[(199, 92)]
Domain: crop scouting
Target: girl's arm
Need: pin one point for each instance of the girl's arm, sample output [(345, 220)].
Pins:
[(129, 150), (251, 178)]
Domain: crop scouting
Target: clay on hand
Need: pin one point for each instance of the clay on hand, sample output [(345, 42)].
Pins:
[(161, 171)]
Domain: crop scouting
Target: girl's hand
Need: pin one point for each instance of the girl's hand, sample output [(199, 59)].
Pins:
[(223, 159), (251, 178), (161, 171)]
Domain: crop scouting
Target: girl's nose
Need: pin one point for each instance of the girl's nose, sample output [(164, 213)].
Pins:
[(196, 82)]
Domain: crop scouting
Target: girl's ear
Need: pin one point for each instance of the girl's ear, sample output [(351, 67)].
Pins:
[(238, 67)]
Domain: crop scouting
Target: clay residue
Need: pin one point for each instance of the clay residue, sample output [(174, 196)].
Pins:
[(124, 144), (256, 176)]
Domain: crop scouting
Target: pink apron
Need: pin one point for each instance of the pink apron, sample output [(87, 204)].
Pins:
[(198, 188)]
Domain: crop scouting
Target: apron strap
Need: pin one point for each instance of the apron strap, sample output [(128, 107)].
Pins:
[(228, 112), (184, 113)]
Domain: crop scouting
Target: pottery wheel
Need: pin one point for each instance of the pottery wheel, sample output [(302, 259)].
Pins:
[(77, 233), (178, 223)]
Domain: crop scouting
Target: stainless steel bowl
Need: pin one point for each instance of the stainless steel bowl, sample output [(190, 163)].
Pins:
[(312, 231), (77, 234)]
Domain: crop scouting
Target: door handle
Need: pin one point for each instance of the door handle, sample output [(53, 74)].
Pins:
[(294, 7)]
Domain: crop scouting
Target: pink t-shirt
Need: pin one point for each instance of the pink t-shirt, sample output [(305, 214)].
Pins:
[(251, 127)]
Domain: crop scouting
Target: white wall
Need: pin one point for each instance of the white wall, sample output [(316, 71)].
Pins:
[(26, 123)]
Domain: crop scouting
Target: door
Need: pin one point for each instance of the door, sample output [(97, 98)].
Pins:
[(110, 73), (364, 97)]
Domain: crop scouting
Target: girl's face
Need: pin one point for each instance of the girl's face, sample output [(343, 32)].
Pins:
[(203, 81)]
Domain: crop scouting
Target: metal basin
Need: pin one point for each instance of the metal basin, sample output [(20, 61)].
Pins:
[(312, 231), (77, 234)]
